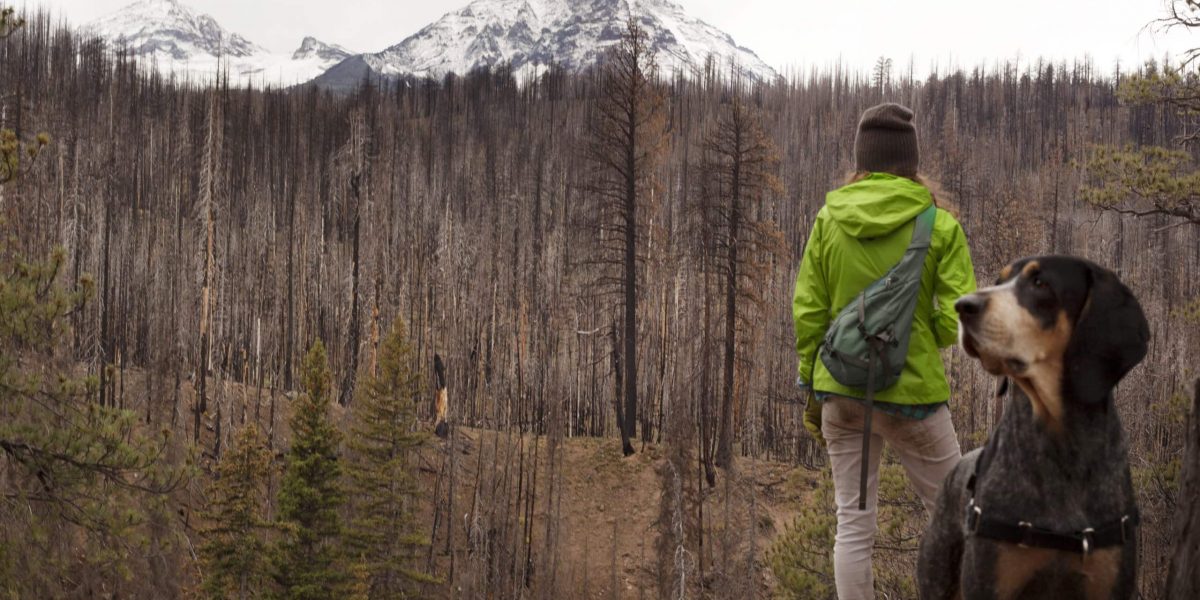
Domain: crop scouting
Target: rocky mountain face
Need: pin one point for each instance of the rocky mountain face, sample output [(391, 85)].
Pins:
[(174, 38), (171, 29), (529, 35), (311, 48)]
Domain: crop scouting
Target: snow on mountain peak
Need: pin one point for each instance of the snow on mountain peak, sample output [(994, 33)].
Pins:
[(168, 28), (528, 35), (312, 47), (532, 34), (173, 37)]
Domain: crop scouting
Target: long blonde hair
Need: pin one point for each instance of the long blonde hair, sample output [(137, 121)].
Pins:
[(940, 199)]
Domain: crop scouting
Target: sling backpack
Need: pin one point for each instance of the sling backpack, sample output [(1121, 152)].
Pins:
[(867, 342)]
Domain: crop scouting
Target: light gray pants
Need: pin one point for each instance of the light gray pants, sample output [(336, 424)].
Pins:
[(928, 450)]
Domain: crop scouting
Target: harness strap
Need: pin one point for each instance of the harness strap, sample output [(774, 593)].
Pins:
[(1026, 534)]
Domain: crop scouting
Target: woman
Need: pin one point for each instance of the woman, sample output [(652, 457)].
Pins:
[(861, 233)]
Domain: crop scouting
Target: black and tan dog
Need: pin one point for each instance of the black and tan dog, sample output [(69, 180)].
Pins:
[(1046, 509)]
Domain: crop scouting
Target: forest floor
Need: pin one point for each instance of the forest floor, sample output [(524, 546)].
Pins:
[(595, 515), (604, 515)]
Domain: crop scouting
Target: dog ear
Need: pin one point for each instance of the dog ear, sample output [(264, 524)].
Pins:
[(1111, 337)]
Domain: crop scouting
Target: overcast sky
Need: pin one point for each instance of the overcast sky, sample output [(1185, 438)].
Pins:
[(785, 33)]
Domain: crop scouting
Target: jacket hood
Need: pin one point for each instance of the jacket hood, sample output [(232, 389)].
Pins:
[(877, 205)]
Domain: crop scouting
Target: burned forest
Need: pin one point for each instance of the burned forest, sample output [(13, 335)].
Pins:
[(600, 265)]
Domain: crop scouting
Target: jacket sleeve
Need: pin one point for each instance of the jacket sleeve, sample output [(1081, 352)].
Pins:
[(955, 278), (810, 306)]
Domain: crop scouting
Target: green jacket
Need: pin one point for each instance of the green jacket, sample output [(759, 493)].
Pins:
[(860, 233)]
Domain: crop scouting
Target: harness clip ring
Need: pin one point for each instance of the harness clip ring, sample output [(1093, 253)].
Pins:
[(1026, 534), (974, 516), (1087, 536)]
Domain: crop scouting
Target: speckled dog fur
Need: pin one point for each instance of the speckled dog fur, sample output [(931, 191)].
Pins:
[(1058, 458)]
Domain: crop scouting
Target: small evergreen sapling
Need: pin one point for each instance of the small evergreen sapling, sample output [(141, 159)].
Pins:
[(234, 546), (307, 559), (380, 467)]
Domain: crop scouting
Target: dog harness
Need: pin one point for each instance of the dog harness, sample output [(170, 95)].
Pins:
[(1026, 534)]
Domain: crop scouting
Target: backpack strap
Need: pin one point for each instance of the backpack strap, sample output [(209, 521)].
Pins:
[(922, 234), (923, 229)]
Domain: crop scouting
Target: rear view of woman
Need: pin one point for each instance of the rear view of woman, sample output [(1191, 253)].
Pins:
[(863, 231)]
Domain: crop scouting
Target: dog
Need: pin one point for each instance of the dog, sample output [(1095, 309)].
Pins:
[(1046, 508)]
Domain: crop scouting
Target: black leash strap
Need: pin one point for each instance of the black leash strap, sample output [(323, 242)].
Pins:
[(870, 410)]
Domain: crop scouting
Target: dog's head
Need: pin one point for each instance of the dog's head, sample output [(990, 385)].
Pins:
[(1063, 328)]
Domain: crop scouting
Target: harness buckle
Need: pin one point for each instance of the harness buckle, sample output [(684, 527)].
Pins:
[(1026, 534), (974, 516), (1087, 540)]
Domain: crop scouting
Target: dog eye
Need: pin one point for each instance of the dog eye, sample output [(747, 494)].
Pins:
[(1037, 282)]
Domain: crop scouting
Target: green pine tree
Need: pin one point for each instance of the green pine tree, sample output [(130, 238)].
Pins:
[(360, 582), (306, 560), (383, 485), (79, 481), (1153, 180), (801, 558), (234, 545)]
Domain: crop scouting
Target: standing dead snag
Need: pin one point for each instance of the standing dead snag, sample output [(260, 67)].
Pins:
[(352, 346), (742, 159), (208, 218), (627, 141), (440, 404), (1183, 580)]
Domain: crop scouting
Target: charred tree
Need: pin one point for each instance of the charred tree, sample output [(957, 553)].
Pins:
[(441, 427), (1183, 581), (627, 141), (743, 160)]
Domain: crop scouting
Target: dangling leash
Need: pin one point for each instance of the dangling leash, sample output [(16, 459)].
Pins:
[(875, 343)]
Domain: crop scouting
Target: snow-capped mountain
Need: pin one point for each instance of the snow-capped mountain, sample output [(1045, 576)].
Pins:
[(529, 35), (170, 29), (311, 47), (174, 38), (532, 34)]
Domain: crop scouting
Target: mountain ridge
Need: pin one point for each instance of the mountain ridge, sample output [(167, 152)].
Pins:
[(528, 36), (175, 38)]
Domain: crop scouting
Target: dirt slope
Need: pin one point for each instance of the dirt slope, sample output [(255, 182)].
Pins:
[(601, 512)]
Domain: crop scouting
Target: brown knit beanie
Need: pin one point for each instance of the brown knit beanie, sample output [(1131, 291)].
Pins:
[(887, 141)]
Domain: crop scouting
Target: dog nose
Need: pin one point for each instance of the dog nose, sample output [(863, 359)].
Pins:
[(970, 306)]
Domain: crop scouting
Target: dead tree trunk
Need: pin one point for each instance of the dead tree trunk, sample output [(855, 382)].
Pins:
[(206, 198), (105, 337), (745, 162), (629, 282), (725, 438), (628, 137), (1183, 580), (290, 333), (441, 426), (352, 370)]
